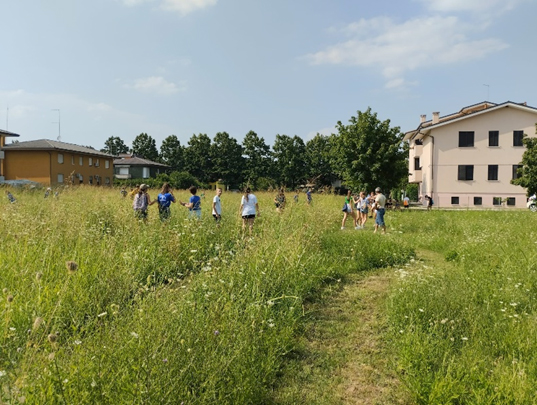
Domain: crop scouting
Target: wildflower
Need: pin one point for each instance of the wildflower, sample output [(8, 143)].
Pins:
[(270, 325), (464, 338), (193, 251), (12, 329), (10, 298), (164, 360), (72, 267), (51, 356), (443, 321), (77, 342), (421, 310), (37, 323), (134, 334), (52, 337), (102, 314), (216, 333), (2, 373)]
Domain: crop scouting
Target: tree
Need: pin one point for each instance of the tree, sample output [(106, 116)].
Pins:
[(258, 158), (290, 160), (318, 158), (227, 160), (145, 146), (114, 146), (527, 174), (171, 153), (197, 157), (370, 154)]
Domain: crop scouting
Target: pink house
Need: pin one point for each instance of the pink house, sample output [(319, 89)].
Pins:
[(468, 159)]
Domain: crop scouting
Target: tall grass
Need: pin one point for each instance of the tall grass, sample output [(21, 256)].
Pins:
[(464, 321), (176, 312)]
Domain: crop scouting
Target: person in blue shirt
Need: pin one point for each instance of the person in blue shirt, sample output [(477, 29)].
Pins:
[(165, 200), (194, 204)]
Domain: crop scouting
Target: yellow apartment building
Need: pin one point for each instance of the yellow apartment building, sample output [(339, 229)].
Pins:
[(55, 163)]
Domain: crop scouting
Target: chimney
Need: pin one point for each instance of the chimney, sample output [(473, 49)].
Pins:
[(423, 118), (436, 118)]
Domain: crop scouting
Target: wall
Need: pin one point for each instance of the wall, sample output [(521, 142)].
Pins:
[(29, 165)]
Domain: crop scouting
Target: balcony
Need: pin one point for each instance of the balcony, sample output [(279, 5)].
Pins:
[(123, 176)]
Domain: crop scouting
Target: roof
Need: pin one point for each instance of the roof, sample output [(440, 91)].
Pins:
[(46, 144), (7, 133), (137, 161), (475, 109)]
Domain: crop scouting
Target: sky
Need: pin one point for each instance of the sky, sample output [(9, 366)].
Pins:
[(88, 70)]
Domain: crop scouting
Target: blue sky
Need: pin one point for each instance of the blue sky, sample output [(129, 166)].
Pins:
[(294, 67)]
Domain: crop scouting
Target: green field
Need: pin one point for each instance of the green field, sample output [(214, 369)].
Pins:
[(184, 312)]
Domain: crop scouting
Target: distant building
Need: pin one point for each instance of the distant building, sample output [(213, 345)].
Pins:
[(56, 163), (3, 135), (468, 159), (134, 167)]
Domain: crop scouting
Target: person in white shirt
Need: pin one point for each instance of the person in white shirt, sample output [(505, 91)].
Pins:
[(380, 204), (248, 209), (217, 206)]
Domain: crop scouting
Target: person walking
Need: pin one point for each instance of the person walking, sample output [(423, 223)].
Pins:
[(248, 210), (217, 206), (194, 204), (165, 200), (279, 200), (141, 203), (347, 210), (380, 206)]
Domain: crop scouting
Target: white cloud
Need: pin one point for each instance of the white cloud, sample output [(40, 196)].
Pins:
[(396, 49), (186, 6), (156, 85), (135, 2)]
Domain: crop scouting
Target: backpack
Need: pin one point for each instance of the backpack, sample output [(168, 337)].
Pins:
[(140, 202)]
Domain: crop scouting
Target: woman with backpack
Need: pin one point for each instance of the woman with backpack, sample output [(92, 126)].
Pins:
[(141, 202)]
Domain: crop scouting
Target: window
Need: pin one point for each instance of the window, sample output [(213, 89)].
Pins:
[(107, 164), (496, 200), (60, 178), (466, 172), (80, 160), (123, 171), (511, 201), (493, 172), (60, 158), (90, 161), (145, 172), (494, 138), (466, 139), (455, 200), (90, 179), (517, 138), (72, 159), (417, 163), (515, 171), (478, 200), (96, 162)]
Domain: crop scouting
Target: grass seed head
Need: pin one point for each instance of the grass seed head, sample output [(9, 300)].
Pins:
[(72, 266), (10, 298), (38, 276), (37, 323), (52, 338)]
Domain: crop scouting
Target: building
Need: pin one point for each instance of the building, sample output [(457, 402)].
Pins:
[(134, 167), (55, 163), (468, 159), (3, 136)]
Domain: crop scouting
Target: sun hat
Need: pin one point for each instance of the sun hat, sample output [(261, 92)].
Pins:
[(144, 186)]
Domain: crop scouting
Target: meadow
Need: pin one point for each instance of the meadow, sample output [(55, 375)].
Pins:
[(97, 307)]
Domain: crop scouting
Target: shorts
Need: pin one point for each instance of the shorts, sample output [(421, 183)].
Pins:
[(379, 220), (364, 210), (194, 214), (251, 216)]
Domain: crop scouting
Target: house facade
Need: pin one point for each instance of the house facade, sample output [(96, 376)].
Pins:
[(468, 159), (55, 163), (3, 136), (134, 167)]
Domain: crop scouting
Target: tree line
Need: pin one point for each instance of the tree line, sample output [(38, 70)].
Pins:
[(364, 154)]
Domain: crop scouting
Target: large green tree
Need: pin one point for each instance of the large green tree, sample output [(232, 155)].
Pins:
[(258, 157), (197, 157), (227, 160), (319, 159), (171, 153), (114, 146), (527, 174), (369, 153), (289, 160), (145, 146)]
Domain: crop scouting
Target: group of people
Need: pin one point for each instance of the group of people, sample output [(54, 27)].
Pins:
[(249, 207), (358, 206)]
